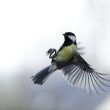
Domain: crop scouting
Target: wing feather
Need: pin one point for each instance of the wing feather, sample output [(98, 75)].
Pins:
[(79, 73)]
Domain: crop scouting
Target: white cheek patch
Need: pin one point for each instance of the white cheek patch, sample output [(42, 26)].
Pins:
[(73, 38)]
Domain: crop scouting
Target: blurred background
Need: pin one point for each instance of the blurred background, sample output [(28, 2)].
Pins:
[(28, 28)]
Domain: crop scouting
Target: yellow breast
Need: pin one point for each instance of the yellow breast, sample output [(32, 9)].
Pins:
[(66, 53)]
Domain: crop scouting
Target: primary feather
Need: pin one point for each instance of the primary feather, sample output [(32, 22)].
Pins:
[(79, 73)]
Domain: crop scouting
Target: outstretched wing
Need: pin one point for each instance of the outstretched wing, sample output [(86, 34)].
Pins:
[(79, 73)]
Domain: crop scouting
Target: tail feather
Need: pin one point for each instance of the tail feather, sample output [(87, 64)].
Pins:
[(42, 76)]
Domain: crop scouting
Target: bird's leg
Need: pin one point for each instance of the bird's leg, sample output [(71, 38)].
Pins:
[(52, 53)]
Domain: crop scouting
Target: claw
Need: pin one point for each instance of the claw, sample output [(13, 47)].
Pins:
[(49, 51), (52, 53)]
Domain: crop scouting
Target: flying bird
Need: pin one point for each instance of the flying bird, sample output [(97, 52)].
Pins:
[(75, 69)]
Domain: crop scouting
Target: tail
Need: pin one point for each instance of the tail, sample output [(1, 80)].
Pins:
[(42, 76)]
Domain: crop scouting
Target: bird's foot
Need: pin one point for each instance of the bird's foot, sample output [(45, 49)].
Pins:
[(52, 53)]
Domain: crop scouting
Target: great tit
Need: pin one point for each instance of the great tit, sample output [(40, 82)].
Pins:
[(75, 69)]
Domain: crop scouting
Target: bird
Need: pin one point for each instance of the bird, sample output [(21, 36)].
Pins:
[(75, 69)]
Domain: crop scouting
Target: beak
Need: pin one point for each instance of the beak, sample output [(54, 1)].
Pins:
[(64, 34)]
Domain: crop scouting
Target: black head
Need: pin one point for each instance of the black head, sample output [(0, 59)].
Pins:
[(70, 37), (69, 34)]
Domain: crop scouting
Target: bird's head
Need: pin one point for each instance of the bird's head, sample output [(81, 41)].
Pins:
[(70, 36)]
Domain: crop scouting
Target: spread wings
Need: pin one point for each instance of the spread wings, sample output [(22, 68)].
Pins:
[(80, 74)]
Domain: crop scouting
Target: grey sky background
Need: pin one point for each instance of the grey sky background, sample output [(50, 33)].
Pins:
[(28, 28)]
